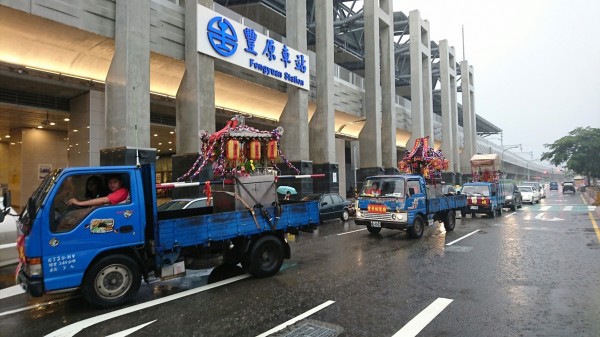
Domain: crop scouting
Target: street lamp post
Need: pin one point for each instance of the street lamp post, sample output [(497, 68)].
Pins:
[(504, 149)]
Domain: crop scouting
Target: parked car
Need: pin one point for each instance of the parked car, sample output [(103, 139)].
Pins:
[(512, 196), (8, 238), (176, 204), (568, 186), (538, 186), (331, 206), (529, 194), (553, 186)]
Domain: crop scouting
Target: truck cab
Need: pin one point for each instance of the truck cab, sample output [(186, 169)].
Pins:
[(483, 197), (60, 241)]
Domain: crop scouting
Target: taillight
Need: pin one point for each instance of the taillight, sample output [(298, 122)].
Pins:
[(33, 266)]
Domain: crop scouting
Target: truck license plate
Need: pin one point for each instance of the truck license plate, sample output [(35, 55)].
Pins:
[(375, 223), (474, 207)]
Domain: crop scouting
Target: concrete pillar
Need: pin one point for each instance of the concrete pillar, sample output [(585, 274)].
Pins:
[(388, 85), (448, 96), (321, 128), (35, 153), (469, 126), (128, 79), (86, 129), (195, 107), (340, 155), (294, 119), (420, 77), (370, 135)]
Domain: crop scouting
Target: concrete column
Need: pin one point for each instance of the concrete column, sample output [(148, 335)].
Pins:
[(448, 96), (469, 126), (388, 85), (321, 127), (420, 77), (294, 119), (128, 79), (86, 129), (370, 135), (340, 155), (195, 108), (454, 121)]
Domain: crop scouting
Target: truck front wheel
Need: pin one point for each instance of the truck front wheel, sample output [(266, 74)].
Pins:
[(450, 221), (373, 230), (417, 229), (111, 281), (265, 257)]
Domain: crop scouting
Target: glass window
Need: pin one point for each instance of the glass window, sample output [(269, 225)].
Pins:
[(197, 204)]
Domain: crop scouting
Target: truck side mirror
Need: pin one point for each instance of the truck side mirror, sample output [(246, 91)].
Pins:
[(31, 211)]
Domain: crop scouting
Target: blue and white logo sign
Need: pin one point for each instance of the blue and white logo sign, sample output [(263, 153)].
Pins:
[(234, 43), (222, 36)]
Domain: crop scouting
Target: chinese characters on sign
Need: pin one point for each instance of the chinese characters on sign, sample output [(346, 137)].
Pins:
[(257, 51)]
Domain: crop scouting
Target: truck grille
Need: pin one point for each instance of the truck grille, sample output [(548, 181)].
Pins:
[(376, 216)]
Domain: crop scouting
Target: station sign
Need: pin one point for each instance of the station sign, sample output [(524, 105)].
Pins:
[(228, 40)]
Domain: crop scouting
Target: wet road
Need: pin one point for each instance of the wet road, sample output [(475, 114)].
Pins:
[(534, 272)]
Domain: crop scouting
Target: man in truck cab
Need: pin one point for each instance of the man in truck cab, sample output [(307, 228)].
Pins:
[(118, 194), (66, 219)]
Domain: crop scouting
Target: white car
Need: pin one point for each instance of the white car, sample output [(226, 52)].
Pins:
[(8, 238), (176, 204), (529, 194)]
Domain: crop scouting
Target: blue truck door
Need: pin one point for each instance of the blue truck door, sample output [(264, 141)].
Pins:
[(72, 238)]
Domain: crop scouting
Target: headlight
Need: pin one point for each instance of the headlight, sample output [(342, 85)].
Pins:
[(509, 197), (358, 214)]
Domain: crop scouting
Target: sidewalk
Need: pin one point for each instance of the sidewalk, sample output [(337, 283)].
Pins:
[(590, 197)]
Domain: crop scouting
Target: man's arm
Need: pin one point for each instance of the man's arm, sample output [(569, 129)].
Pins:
[(92, 202)]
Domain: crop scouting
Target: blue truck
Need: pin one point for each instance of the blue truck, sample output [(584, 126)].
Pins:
[(106, 251), (483, 198), (405, 202)]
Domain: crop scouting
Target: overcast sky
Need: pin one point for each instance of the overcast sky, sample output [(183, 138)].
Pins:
[(536, 62)]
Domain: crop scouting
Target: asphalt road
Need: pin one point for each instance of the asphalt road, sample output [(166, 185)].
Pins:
[(534, 272)]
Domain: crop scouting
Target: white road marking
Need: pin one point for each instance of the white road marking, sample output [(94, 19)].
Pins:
[(568, 208), (35, 306), (131, 330), (540, 216), (420, 321), (11, 291), (350, 232), (591, 208), (513, 213), (73, 329), (466, 236), (296, 319), (545, 208), (8, 245)]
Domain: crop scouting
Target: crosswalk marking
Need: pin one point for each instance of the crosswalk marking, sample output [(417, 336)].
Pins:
[(559, 208)]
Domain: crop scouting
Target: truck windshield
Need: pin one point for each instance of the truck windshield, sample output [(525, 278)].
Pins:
[(476, 190), (37, 198), (383, 187)]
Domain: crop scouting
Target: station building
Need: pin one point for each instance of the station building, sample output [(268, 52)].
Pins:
[(353, 84)]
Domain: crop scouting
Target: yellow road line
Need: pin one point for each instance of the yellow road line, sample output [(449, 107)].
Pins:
[(591, 216), (595, 225)]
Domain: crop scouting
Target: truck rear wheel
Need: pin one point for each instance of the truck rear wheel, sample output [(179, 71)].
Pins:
[(265, 257), (417, 229), (450, 221), (111, 281)]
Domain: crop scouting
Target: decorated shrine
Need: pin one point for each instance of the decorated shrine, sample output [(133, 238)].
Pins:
[(424, 160), (239, 150), (485, 167)]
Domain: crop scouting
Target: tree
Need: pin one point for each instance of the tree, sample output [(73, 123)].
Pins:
[(580, 151)]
